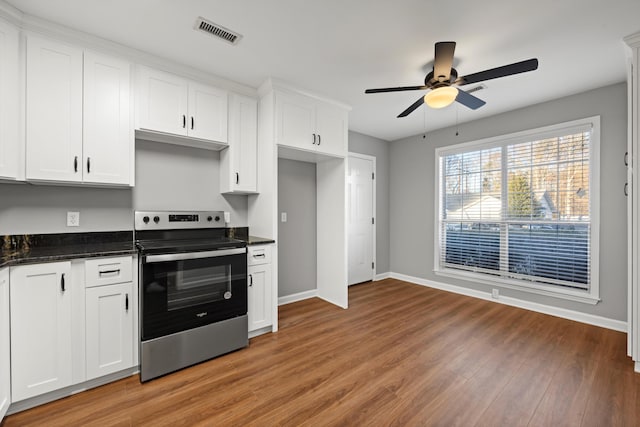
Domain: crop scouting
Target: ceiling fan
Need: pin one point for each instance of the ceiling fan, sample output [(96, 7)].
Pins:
[(443, 81)]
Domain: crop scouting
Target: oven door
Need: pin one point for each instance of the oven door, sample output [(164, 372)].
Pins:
[(182, 291)]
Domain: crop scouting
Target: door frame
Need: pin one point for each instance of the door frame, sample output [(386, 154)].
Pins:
[(374, 210)]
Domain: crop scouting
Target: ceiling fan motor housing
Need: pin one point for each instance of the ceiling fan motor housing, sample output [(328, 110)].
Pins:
[(435, 82)]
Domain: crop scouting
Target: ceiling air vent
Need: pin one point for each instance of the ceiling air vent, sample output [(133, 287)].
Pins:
[(476, 88), (217, 31)]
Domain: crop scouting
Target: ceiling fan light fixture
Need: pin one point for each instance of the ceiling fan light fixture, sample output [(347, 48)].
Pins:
[(441, 97)]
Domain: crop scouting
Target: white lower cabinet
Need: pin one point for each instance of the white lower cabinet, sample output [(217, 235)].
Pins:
[(260, 293), (71, 322), (41, 323), (109, 328), (5, 344)]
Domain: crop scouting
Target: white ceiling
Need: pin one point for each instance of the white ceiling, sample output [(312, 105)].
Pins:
[(339, 48)]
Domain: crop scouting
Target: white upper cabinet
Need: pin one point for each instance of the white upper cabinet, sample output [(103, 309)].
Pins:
[(78, 122), (54, 111), (107, 131), (310, 124), (207, 113), (172, 105), (238, 163), (9, 102)]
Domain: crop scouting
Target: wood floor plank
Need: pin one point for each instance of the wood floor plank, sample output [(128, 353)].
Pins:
[(401, 355)]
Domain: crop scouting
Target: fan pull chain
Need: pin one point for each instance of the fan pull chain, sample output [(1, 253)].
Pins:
[(457, 128)]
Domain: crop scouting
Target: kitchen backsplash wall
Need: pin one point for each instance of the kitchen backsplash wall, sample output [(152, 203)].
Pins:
[(40, 209), (170, 177)]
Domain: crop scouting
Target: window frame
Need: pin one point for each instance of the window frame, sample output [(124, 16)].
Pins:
[(590, 296)]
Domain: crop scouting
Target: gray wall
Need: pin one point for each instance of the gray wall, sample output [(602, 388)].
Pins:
[(296, 237), (36, 209), (378, 148), (412, 192), (170, 177)]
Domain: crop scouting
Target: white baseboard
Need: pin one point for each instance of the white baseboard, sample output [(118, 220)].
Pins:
[(288, 299), (591, 319), (382, 276)]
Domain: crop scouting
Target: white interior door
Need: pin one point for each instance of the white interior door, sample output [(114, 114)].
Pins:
[(360, 225)]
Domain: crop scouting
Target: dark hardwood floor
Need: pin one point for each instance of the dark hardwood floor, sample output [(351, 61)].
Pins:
[(401, 355)]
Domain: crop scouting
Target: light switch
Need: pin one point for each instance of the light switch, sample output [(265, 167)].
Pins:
[(283, 217)]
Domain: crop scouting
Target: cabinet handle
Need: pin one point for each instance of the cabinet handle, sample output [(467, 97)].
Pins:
[(251, 280), (75, 164), (259, 255), (626, 158), (105, 272), (191, 122), (126, 302), (62, 286), (314, 139), (184, 121), (626, 188), (88, 164), (319, 139), (237, 177)]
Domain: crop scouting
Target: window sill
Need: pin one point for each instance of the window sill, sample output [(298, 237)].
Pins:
[(539, 289)]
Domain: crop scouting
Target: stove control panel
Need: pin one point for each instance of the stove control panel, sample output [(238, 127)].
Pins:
[(145, 220)]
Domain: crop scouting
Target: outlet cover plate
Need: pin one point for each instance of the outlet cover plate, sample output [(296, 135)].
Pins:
[(73, 219)]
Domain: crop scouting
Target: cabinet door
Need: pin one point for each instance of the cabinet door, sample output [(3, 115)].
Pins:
[(9, 101), (162, 102), (109, 340), (295, 121), (40, 329), (331, 126), (239, 161), (5, 346), (107, 133), (207, 113), (260, 305), (54, 111)]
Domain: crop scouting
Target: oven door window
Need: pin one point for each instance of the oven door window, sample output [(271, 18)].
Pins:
[(184, 294), (196, 283)]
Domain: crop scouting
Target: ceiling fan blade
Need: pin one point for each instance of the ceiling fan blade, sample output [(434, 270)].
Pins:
[(469, 100), (411, 108), (494, 73), (443, 60), (396, 89)]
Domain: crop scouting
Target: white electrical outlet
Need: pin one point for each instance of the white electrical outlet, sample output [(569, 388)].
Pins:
[(283, 217), (495, 293), (73, 219)]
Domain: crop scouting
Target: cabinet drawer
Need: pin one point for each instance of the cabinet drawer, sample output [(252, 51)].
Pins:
[(257, 255), (107, 271)]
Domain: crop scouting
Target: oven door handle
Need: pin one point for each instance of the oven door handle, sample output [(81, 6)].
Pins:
[(193, 255)]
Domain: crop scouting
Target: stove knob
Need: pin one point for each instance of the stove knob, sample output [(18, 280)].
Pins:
[(145, 219), (217, 218), (156, 219), (209, 218)]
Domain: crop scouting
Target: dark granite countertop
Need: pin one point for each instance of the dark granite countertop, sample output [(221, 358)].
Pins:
[(38, 248), (254, 240)]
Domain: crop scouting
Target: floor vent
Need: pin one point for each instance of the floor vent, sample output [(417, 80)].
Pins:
[(217, 31)]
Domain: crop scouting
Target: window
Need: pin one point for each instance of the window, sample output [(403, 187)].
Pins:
[(521, 210)]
